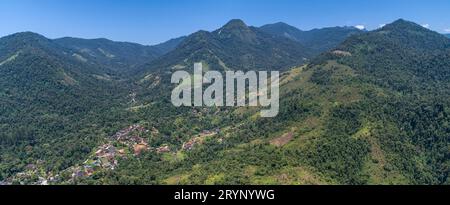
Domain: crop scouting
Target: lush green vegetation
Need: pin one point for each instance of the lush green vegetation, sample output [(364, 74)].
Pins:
[(374, 110), (320, 40)]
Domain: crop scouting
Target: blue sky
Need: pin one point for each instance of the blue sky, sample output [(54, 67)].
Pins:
[(154, 21)]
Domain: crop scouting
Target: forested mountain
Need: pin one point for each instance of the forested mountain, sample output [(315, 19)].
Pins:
[(391, 107), (319, 40), (48, 96), (116, 56), (283, 29), (373, 109), (169, 45), (448, 35), (234, 46)]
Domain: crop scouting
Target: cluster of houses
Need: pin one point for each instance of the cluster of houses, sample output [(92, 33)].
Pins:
[(129, 138), (106, 156), (125, 133), (32, 175)]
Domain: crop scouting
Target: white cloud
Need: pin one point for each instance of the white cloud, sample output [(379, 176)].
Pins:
[(360, 27), (382, 25), (426, 25), (447, 30)]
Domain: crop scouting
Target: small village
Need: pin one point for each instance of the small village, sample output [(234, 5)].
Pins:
[(107, 155), (128, 142)]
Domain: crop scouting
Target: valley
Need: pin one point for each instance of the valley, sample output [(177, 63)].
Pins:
[(365, 107)]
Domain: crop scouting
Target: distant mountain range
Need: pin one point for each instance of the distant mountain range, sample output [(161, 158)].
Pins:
[(234, 46), (237, 46), (124, 57), (117, 56), (356, 107), (319, 40)]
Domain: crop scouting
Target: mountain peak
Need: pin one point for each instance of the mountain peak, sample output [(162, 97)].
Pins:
[(401, 21), (27, 36), (237, 29), (280, 25), (282, 29), (235, 23), (25, 39), (233, 26), (403, 35), (403, 25)]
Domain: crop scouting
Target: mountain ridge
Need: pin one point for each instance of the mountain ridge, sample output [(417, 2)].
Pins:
[(373, 109), (235, 46), (321, 40), (123, 57)]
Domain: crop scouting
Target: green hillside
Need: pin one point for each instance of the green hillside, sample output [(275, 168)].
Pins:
[(53, 106), (373, 109), (320, 40), (115, 57)]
